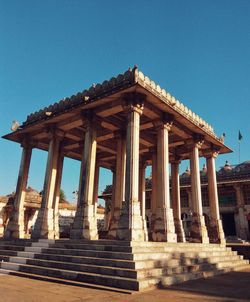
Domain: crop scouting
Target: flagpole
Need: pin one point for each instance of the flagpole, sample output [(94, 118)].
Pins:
[(239, 151), (239, 139)]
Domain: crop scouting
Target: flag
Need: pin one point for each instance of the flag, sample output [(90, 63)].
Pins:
[(240, 136)]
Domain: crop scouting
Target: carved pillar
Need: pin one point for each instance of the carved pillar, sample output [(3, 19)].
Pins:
[(85, 223), (164, 229), (44, 225), (243, 231), (153, 204), (198, 230), (130, 223), (215, 231), (118, 195), (96, 186), (57, 193), (176, 201), (15, 226), (142, 198)]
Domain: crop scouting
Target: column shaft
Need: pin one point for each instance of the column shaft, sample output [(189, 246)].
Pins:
[(175, 184), (85, 223), (215, 231), (164, 229), (15, 226), (44, 225), (56, 200), (119, 186), (198, 232), (242, 230), (153, 201), (130, 223), (142, 199)]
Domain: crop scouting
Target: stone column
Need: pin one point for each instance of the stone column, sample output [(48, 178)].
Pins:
[(198, 230), (243, 231), (15, 226), (95, 192), (164, 229), (44, 225), (85, 223), (130, 223), (215, 231), (153, 202), (57, 193), (175, 184), (118, 195), (142, 198)]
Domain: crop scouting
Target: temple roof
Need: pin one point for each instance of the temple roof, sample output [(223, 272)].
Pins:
[(110, 93)]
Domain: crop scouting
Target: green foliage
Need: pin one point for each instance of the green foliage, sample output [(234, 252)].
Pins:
[(62, 196)]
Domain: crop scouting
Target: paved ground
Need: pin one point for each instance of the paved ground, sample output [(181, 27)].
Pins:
[(227, 288)]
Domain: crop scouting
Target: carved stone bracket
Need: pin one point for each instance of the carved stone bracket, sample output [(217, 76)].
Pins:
[(197, 141), (165, 122), (212, 152), (133, 101)]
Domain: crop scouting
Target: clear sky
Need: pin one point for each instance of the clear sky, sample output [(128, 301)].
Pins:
[(197, 50)]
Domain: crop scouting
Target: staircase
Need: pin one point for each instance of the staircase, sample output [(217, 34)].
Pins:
[(116, 265)]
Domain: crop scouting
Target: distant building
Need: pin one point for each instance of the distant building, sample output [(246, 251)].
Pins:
[(32, 205), (234, 199)]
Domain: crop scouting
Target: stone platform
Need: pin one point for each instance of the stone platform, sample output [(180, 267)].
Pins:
[(116, 265)]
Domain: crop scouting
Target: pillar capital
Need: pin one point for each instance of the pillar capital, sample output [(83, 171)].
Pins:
[(88, 116), (133, 102), (120, 134), (210, 154), (213, 152), (55, 133), (27, 142), (175, 159), (165, 122), (195, 142)]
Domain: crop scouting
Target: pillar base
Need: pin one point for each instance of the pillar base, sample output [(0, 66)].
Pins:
[(56, 227), (44, 225), (85, 226), (164, 229), (151, 228), (215, 231), (198, 231), (14, 232), (130, 226), (145, 229), (179, 230), (15, 226)]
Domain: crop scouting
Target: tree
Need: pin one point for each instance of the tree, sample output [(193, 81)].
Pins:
[(62, 196)]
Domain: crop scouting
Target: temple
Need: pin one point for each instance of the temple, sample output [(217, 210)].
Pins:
[(123, 124)]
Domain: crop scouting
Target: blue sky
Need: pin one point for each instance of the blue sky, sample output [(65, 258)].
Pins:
[(197, 50)]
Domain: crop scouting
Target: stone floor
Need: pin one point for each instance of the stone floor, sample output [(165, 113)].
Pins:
[(229, 287)]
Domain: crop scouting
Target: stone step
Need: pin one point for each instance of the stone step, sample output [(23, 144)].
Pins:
[(89, 268), (75, 259), (183, 277), (106, 280), (87, 253), (64, 281), (124, 248), (12, 247), (204, 254), (210, 259), (225, 264), (96, 247), (186, 258)]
